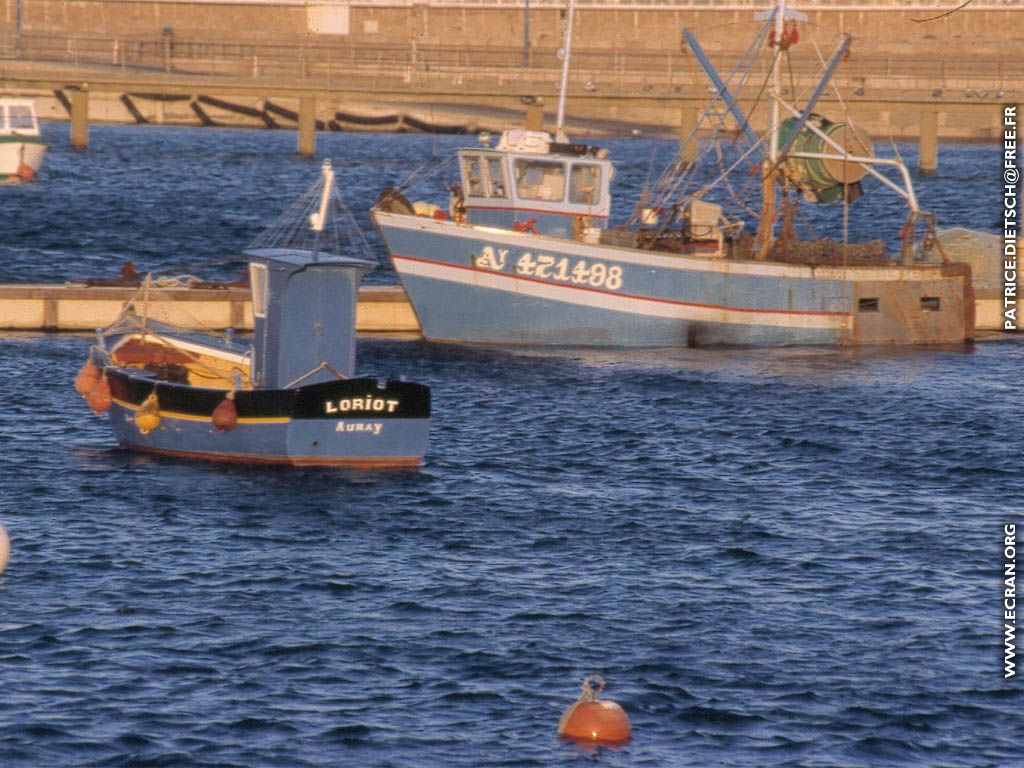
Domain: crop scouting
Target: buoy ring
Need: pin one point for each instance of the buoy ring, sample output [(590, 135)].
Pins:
[(595, 722)]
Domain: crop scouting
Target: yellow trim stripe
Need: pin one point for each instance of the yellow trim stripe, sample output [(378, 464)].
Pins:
[(191, 417)]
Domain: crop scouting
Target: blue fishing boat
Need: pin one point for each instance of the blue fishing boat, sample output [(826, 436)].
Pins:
[(292, 397), (524, 254)]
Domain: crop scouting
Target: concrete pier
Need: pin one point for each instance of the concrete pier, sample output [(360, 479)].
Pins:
[(381, 309), (307, 126), (412, 56), (535, 117), (929, 145), (688, 117), (80, 118)]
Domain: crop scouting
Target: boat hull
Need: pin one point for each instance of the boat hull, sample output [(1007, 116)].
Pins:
[(346, 423), (484, 285), (20, 157)]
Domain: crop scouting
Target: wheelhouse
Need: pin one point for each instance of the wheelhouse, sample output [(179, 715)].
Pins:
[(530, 183)]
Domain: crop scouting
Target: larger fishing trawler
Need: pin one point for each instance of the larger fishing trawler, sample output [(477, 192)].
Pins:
[(524, 254)]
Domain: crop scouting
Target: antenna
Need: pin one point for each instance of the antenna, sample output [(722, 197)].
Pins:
[(566, 50)]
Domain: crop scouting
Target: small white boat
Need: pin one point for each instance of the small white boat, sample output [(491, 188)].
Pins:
[(21, 145)]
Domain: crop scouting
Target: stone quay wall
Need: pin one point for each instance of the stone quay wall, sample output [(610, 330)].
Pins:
[(986, 28)]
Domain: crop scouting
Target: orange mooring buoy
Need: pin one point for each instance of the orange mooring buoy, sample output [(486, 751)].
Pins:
[(5, 548), (593, 721), (99, 398), (87, 379), (225, 415)]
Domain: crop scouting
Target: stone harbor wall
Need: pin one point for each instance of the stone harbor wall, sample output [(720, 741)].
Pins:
[(988, 28)]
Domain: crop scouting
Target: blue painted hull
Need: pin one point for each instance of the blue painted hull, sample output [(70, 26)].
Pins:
[(485, 285), (395, 443), (352, 422)]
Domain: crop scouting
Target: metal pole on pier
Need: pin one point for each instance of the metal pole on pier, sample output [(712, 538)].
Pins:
[(526, 33), (17, 27), (928, 161), (566, 53), (307, 126), (80, 117)]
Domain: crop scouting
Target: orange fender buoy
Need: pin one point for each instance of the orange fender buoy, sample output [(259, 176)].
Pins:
[(147, 418), (25, 172), (592, 721), (99, 398), (5, 548), (225, 415), (87, 379)]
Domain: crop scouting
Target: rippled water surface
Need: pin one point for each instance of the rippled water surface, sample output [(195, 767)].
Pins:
[(775, 558)]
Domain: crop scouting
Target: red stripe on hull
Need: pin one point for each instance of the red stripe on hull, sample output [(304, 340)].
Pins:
[(624, 295)]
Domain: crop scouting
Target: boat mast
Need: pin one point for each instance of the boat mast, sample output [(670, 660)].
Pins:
[(566, 49), (319, 218), (767, 224)]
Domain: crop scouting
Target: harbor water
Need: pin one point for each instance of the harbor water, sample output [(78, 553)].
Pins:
[(774, 557)]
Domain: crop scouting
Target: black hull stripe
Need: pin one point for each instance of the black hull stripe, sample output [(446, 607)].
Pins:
[(327, 400)]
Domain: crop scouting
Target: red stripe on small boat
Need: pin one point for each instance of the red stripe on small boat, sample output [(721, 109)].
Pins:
[(353, 462)]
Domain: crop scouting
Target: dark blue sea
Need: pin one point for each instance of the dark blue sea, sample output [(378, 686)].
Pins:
[(775, 558)]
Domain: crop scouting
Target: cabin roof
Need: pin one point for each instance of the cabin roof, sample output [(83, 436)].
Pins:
[(301, 257), (522, 143)]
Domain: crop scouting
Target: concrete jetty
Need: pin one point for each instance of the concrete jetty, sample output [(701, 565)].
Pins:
[(382, 309), (309, 66), (77, 307)]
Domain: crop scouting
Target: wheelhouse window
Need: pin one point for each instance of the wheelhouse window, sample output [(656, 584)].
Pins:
[(472, 176), (540, 180), (931, 303), (585, 184), (20, 118), (496, 178), (867, 305)]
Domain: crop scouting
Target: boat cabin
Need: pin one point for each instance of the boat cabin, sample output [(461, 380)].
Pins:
[(18, 118), (533, 184)]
